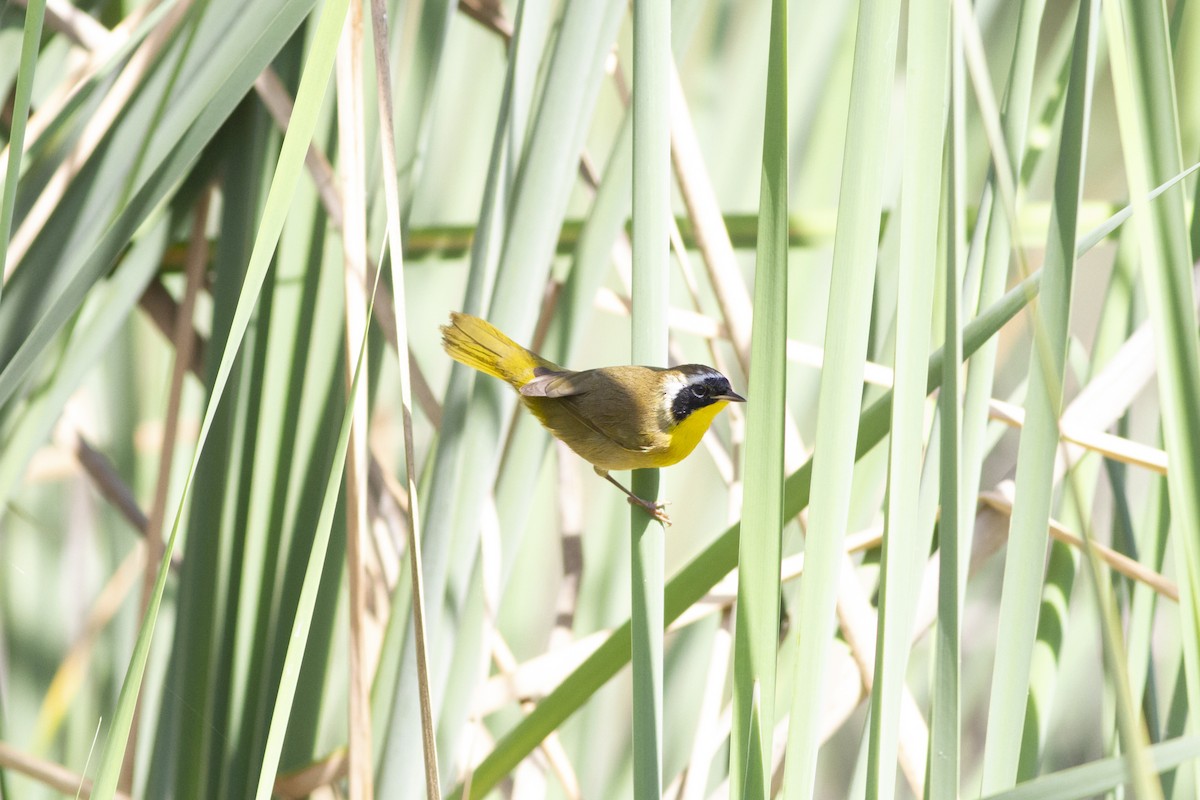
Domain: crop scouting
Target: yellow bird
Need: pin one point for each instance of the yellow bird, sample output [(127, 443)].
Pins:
[(614, 417)]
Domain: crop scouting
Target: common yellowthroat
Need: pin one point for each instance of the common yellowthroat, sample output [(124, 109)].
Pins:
[(613, 417)]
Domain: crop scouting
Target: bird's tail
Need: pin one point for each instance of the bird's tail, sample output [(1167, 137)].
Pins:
[(480, 345)]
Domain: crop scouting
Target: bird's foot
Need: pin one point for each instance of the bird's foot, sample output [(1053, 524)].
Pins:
[(655, 510)]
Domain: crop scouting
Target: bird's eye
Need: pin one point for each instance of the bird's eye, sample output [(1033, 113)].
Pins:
[(699, 391)]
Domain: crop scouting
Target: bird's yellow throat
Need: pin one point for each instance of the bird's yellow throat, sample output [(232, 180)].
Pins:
[(687, 434)]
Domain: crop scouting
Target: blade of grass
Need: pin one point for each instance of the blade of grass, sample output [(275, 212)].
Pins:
[(190, 683), (955, 525), (1005, 172), (651, 285), (35, 14), (418, 84), (1100, 777), (295, 375), (1054, 621), (298, 641), (756, 632), (905, 543), (1116, 338)]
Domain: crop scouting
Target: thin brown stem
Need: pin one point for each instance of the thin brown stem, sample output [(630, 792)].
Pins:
[(183, 338)]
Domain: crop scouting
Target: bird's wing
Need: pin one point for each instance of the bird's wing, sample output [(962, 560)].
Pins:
[(613, 423), (555, 383)]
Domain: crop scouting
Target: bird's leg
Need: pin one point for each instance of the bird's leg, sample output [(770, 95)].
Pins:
[(655, 510)]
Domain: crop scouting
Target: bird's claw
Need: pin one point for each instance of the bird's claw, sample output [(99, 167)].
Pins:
[(655, 510)]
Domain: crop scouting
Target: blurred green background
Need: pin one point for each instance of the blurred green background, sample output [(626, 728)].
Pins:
[(159, 211)]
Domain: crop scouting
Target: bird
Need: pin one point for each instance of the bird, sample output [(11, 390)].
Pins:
[(615, 418)]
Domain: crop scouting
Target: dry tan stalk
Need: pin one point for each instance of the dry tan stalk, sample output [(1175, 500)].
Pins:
[(390, 508), (712, 237), (1106, 444), (1001, 498), (278, 102), (162, 309), (182, 338), (551, 746), (55, 776), (100, 471), (1110, 392), (78, 26), (693, 288), (303, 782), (352, 165), (408, 369), (489, 14), (533, 678), (1119, 448), (735, 413)]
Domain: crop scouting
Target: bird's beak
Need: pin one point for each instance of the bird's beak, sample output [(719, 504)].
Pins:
[(731, 398)]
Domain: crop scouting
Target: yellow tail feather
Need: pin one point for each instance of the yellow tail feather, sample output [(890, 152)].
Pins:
[(480, 345)]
